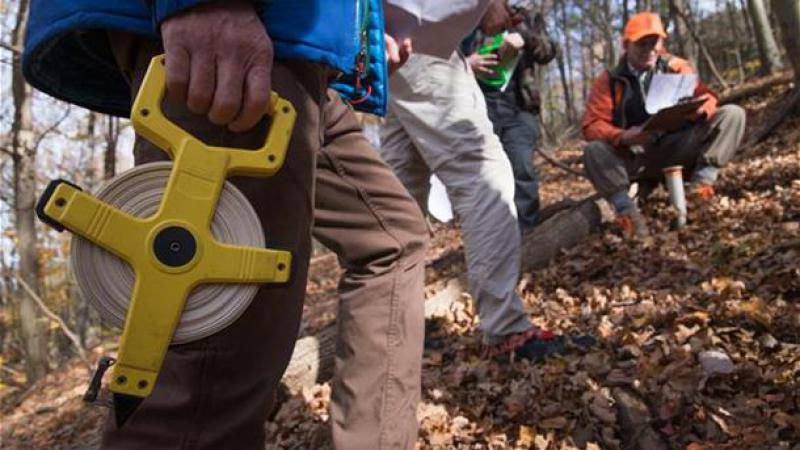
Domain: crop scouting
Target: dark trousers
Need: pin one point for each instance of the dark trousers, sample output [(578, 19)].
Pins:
[(709, 143), (215, 393), (518, 131)]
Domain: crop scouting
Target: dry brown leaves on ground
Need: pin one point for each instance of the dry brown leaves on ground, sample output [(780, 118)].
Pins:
[(702, 324)]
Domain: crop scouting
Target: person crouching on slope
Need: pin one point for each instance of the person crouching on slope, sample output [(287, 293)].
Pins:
[(620, 148)]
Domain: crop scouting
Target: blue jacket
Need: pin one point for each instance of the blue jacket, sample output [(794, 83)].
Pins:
[(67, 53)]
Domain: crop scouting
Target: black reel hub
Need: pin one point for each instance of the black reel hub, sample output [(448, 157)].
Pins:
[(174, 246)]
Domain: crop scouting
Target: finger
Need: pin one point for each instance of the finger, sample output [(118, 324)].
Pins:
[(177, 61), (406, 48), (201, 84), (228, 91), (256, 99), (392, 50)]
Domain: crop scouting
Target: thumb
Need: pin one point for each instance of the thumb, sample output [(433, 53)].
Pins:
[(392, 50)]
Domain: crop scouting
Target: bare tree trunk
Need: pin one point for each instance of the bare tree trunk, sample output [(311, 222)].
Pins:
[(685, 16), (625, 13), (768, 51), (611, 55), (566, 71), (110, 156), (5, 298), (735, 36), (546, 118), (81, 314), (747, 18), (686, 47), (586, 71), (788, 13), (569, 113), (663, 11), (90, 172), (24, 156)]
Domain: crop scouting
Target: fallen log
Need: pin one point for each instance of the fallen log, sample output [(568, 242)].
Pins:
[(313, 359), (564, 230), (762, 85), (783, 108)]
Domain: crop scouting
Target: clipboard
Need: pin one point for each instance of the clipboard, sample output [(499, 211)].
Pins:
[(673, 118)]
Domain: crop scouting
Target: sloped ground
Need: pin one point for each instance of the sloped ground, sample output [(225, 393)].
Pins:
[(703, 324)]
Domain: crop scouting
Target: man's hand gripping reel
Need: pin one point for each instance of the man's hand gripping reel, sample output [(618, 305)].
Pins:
[(172, 251)]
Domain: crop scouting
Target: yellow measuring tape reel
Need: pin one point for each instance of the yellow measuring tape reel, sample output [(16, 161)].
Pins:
[(173, 250)]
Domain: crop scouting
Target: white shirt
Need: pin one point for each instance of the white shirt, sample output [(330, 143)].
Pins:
[(436, 27)]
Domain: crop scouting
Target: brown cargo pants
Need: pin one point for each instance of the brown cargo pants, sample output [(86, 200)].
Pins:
[(215, 393)]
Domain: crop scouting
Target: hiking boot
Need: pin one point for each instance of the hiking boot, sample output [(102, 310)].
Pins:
[(633, 225), (701, 192), (536, 345)]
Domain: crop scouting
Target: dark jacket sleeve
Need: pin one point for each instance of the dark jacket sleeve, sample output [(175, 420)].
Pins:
[(540, 47)]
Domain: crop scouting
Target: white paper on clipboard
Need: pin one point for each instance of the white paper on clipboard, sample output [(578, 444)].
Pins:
[(667, 89)]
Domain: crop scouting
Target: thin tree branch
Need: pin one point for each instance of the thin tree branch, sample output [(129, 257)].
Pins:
[(50, 129), (559, 164), (13, 49), (53, 316), (4, 144), (13, 372)]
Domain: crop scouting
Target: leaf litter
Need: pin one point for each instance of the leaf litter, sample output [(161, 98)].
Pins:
[(702, 324)]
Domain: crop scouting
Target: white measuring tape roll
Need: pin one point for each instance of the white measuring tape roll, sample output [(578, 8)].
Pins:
[(106, 281)]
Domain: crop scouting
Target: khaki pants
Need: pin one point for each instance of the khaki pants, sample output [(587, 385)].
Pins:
[(438, 123), (215, 393), (713, 143)]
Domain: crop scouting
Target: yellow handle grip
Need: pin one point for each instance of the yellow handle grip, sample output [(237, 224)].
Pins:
[(150, 122)]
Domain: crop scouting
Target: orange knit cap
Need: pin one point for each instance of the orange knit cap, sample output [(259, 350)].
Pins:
[(642, 25)]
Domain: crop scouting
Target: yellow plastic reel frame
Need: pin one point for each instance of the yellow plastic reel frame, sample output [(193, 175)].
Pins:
[(189, 202)]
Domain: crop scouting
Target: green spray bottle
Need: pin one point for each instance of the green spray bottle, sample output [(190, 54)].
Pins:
[(506, 63)]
